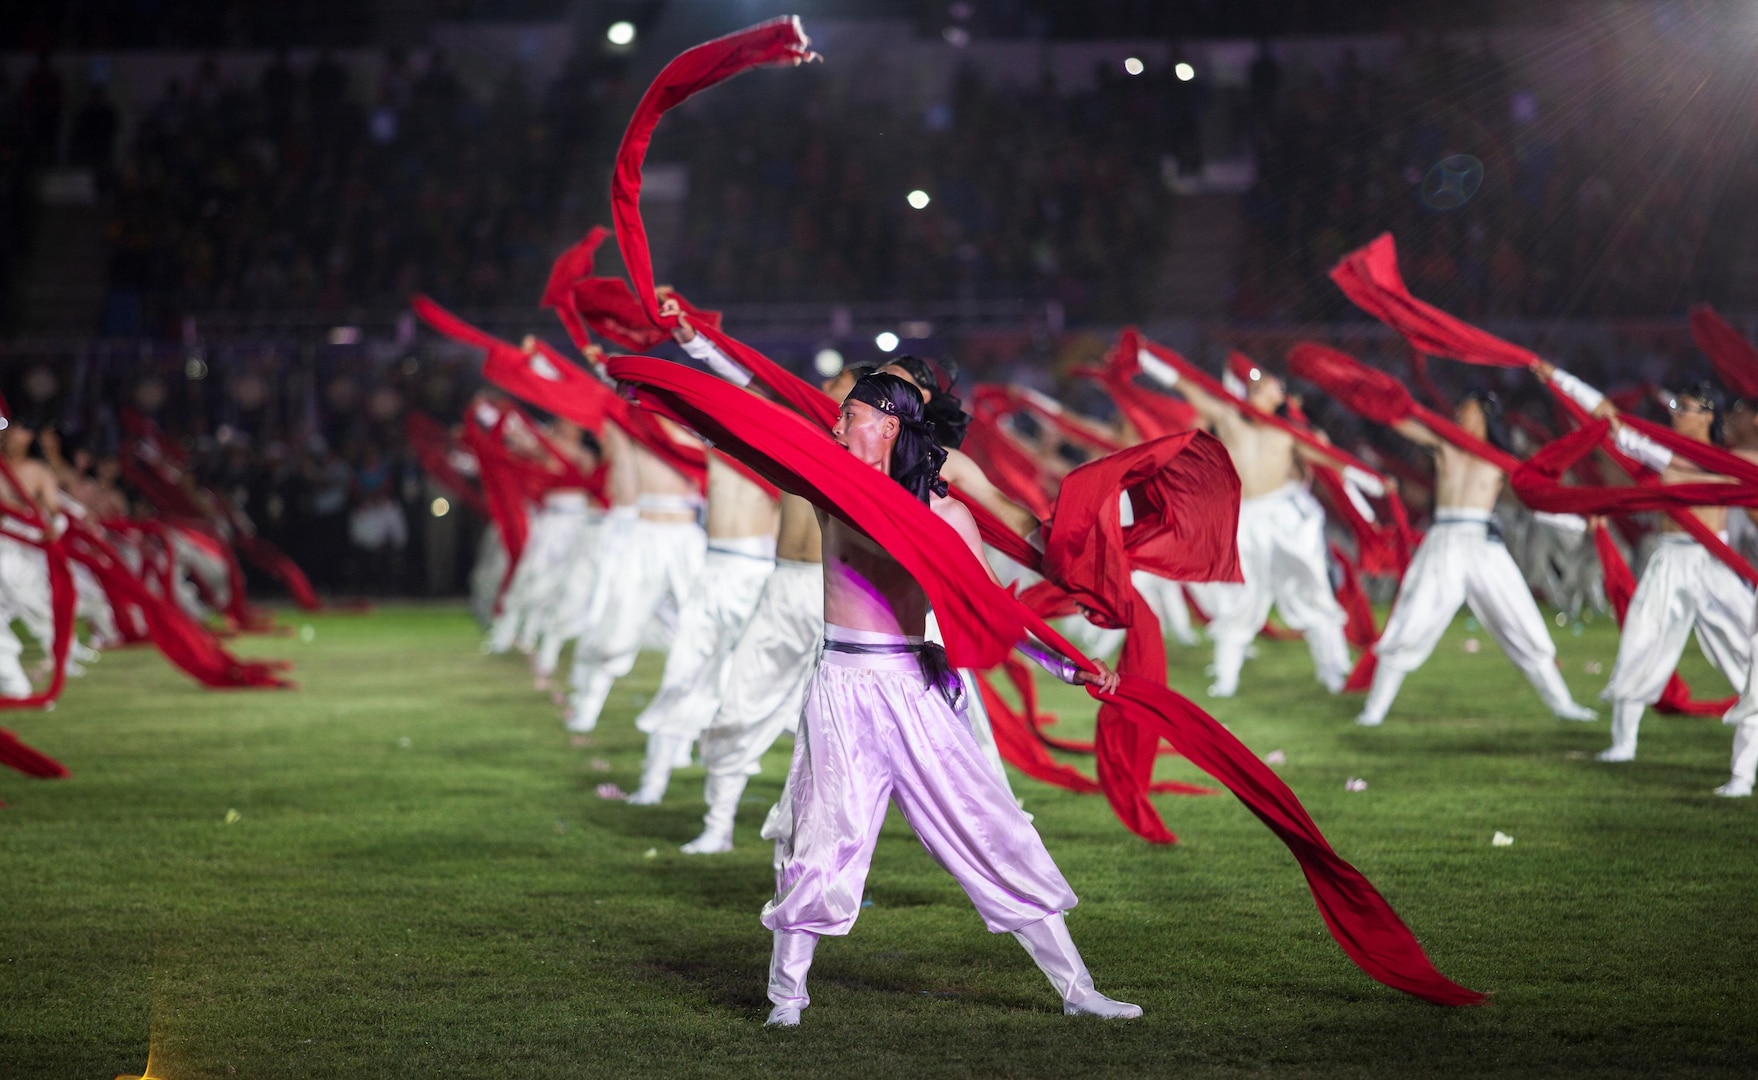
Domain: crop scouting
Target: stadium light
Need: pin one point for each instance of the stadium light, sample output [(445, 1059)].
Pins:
[(918, 199), (1184, 71), (887, 341), (827, 363), (1134, 66), (441, 507), (620, 33)]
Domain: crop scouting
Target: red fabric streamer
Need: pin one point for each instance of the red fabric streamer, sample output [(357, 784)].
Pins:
[(572, 265), (28, 760), (186, 643), (981, 624), (778, 42), (433, 448), (23, 523), (1735, 360), (1369, 276)]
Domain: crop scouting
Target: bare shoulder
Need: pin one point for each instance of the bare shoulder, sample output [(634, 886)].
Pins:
[(954, 513), (959, 468)]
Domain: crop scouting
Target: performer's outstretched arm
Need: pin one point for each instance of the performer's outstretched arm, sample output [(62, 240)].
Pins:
[(1209, 407), (954, 513), (1628, 441), (700, 348)]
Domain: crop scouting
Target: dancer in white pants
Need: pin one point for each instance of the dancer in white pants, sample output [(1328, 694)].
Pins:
[(710, 624), (656, 560), (878, 728), (1282, 554), (1683, 587), (765, 689), (567, 617), (1283, 560), (541, 576), (1463, 561)]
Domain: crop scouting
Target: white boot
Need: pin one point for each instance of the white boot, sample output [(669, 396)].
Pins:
[(1386, 683), (662, 750), (723, 794), (1745, 767), (1626, 718), (587, 701), (1548, 681), (1229, 658), (1048, 944), (789, 961), (1329, 649)]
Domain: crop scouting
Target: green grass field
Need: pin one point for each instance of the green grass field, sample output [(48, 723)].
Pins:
[(418, 879)]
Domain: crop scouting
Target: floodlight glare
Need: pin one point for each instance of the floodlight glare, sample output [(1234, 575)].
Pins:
[(1184, 71), (918, 199), (1134, 66), (620, 33), (827, 363), (887, 341)]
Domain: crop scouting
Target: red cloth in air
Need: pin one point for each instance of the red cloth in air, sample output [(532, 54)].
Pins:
[(1015, 473), (185, 642), (1369, 276), (981, 624), (569, 267), (28, 760), (1735, 360), (778, 42), (24, 523), (432, 444)]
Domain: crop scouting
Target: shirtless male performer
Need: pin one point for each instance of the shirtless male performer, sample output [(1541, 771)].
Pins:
[(878, 726), (1462, 560), (1282, 553), (772, 660), (1683, 587), (24, 569), (642, 560)]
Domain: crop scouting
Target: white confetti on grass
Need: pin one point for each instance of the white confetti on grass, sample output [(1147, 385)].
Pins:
[(308, 633), (1355, 783), (611, 791), (1501, 839), (1275, 757), (233, 817)]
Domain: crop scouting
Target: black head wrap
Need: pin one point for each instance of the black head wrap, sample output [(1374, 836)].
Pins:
[(1712, 397), (944, 409), (916, 456), (1495, 425)]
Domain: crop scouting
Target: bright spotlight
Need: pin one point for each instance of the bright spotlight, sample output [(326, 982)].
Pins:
[(887, 341), (918, 199), (620, 33), (827, 363), (1184, 71), (1134, 66), (441, 507)]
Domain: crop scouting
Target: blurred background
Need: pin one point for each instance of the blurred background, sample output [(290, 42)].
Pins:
[(215, 212)]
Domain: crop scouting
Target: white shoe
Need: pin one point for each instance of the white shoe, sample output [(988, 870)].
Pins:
[(1097, 1004), (1574, 711), (575, 724), (708, 844), (1735, 789), (1615, 754), (1334, 683), (783, 1016), (1365, 720), (1219, 691), (644, 798)]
